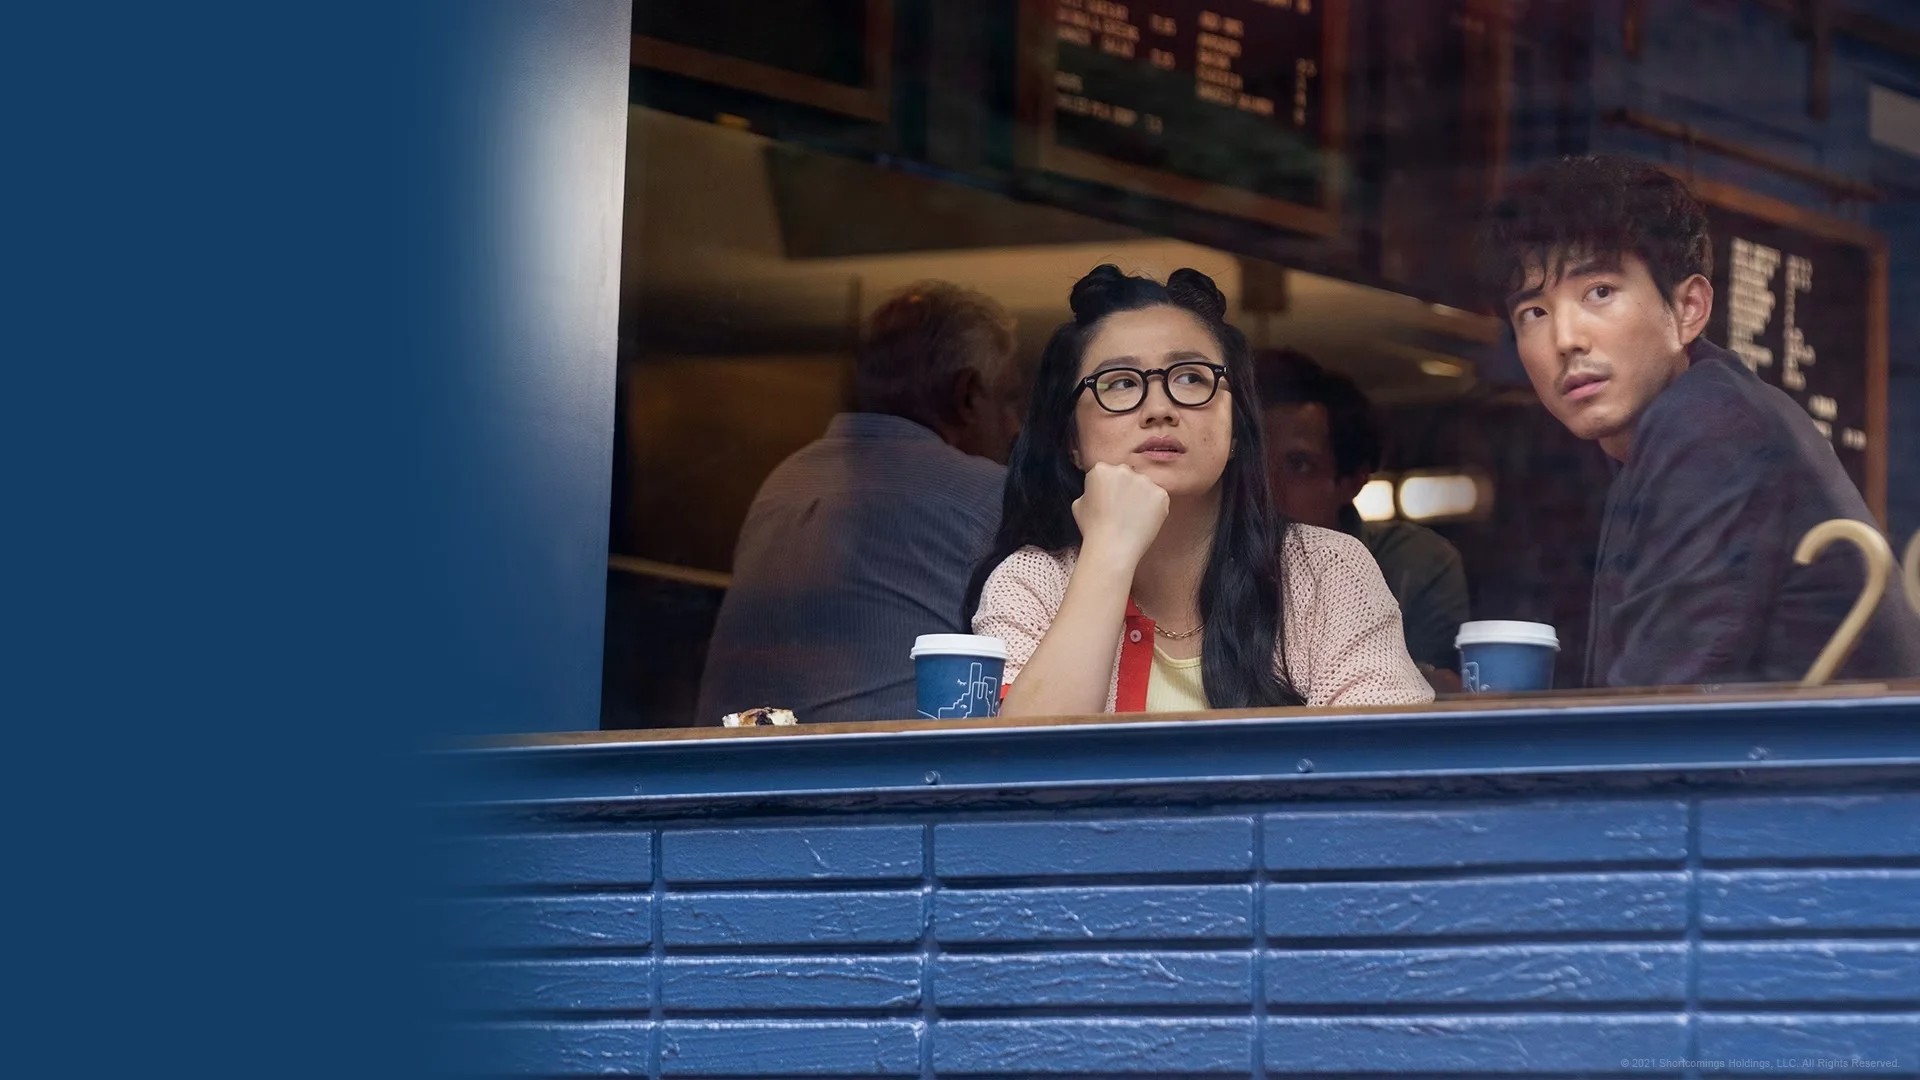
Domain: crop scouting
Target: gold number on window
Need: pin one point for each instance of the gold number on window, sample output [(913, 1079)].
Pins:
[(1911, 579), (1879, 556)]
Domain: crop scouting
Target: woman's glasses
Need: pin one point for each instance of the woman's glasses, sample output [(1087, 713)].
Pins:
[(1124, 389)]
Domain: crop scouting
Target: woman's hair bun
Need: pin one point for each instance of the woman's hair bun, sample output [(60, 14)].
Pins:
[(1107, 289), (1196, 292), (1098, 292)]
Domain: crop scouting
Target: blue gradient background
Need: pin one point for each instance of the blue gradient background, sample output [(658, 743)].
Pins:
[(306, 419), (308, 413)]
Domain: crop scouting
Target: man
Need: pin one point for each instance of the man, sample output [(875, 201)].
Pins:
[(865, 539), (1323, 444), (1601, 267)]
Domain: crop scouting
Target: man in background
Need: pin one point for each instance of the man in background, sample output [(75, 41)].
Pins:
[(1602, 265), (865, 539), (1323, 445)]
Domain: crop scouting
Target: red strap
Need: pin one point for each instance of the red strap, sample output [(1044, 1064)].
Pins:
[(1136, 661)]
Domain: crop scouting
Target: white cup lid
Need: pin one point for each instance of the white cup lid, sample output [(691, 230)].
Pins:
[(957, 645), (1507, 632)]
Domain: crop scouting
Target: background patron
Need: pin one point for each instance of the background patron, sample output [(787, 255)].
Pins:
[(865, 539), (1323, 445)]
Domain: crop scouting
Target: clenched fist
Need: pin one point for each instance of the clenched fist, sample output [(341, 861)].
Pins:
[(1119, 513)]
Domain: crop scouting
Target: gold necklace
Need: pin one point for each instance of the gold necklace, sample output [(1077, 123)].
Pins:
[(1168, 634)]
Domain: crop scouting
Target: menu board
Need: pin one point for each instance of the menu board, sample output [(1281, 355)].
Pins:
[(1798, 305), (831, 54), (1232, 106)]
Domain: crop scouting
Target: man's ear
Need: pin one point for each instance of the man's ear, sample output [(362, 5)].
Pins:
[(1692, 307), (964, 400)]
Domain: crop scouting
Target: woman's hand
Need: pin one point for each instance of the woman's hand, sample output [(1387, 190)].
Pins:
[(1119, 514)]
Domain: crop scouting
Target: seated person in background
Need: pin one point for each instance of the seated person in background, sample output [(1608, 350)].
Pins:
[(1601, 267), (864, 540), (1323, 444), (1137, 566)]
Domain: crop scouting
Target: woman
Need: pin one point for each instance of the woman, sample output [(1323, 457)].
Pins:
[(1137, 520)]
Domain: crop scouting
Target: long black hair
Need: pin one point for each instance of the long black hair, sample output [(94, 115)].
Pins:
[(1241, 596)]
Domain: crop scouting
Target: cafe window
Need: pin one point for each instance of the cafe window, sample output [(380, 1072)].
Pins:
[(794, 169)]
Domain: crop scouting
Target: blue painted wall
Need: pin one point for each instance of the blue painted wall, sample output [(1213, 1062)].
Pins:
[(1352, 900)]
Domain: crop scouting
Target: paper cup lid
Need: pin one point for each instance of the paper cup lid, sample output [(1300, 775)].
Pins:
[(958, 645), (1506, 632)]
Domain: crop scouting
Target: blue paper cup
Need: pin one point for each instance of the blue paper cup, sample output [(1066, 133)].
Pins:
[(1502, 656), (958, 675)]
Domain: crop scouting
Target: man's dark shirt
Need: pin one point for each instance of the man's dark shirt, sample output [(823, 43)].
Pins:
[(1695, 581), (857, 544)]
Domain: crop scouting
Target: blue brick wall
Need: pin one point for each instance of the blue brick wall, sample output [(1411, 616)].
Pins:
[(1511, 936)]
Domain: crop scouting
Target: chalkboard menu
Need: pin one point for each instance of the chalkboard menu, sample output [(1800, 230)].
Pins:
[(1232, 106), (1797, 297), (831, 54)]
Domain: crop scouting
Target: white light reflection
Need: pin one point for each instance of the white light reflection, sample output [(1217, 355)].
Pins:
[(1375, 501), (1444, 496)]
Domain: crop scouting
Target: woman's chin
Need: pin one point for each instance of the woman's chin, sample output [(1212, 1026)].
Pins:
[(1187, 487)]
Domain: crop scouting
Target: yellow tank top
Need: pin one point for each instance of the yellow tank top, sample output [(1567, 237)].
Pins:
[(1174, 685)]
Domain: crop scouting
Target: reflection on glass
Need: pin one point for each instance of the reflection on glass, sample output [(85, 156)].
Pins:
[(1328, 167)]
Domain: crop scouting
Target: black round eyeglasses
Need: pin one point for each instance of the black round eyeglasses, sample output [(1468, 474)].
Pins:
[(1123, 389)]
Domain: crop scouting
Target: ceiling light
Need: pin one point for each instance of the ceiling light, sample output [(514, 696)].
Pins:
[(1444, 496), (1375, 501)]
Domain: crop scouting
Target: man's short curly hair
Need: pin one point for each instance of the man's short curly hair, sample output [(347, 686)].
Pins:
[(1592, 208), (919, 341)]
